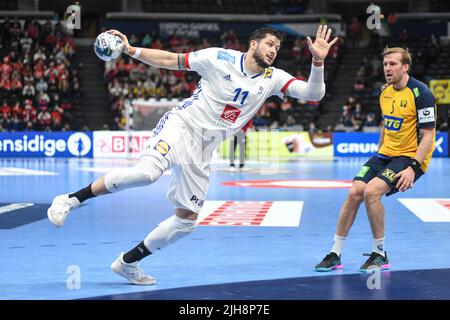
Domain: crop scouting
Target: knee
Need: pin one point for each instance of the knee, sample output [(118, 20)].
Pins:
[(356, 195), (137, 176), (371, 195)]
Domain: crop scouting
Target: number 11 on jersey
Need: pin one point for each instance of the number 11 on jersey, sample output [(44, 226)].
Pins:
[(238, 92)]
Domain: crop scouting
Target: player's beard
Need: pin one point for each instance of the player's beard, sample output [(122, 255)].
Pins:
[(260, 59)]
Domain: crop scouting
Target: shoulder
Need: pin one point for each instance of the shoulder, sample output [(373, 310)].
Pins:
[(221, 54), (384, 86), (419, 89), (273, 72)]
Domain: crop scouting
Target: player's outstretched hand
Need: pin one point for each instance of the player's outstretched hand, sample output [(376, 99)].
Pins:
[(126, 44), (320, 47)]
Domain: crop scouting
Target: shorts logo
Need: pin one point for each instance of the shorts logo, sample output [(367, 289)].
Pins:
[(162, 147), (389, 174), (230, 114), (362, 172), (393, 123), (197, 201)]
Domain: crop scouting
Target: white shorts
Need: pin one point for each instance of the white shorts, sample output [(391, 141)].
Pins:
[(174, 146)]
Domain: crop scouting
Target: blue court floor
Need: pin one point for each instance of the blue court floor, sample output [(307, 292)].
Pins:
[(263, 245)]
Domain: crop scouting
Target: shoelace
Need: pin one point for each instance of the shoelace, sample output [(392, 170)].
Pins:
[(372, 256)]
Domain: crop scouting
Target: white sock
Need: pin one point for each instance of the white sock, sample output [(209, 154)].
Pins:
[(338, 244), (378, 246)]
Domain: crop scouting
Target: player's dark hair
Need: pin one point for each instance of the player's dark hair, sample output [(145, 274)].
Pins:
[(261, 33)]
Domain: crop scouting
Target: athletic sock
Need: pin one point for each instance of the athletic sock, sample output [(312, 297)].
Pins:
[(136, 254), (83, 194), (378, 246), (338, 244)]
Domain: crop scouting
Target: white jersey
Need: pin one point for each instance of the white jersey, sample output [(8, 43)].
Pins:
[(227, 96)]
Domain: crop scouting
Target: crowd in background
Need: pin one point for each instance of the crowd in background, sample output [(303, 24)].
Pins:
[(38, 76)]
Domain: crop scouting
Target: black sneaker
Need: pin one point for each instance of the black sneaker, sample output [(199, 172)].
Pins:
[(241, 166), (330, 262), (375, 262)]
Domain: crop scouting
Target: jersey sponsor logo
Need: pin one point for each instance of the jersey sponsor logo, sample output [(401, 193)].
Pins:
[(362, 172), (426, 115), (230, 114), (223, 55), (268, 74), (162, 147), (393, 123), (389, 174)]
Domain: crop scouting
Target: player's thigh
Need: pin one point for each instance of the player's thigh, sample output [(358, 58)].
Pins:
[(395, 166), (376, 188), (189, 186), (370, 170)]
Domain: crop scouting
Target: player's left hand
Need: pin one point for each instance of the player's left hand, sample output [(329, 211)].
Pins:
[(319, 49), (406, 180)]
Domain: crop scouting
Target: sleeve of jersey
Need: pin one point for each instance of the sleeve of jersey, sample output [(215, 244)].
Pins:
[(199, 61), (313, 90), (426, 109)]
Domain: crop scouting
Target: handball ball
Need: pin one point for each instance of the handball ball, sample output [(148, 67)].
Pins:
[(108, 46)]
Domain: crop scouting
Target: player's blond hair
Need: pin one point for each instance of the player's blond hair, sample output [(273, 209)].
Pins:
[(406, 55)]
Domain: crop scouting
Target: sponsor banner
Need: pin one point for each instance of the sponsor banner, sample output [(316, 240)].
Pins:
[(350, 144), (46, 144), (429, 210), (283, 144), (441, 90), (251, 213), (120, 144)]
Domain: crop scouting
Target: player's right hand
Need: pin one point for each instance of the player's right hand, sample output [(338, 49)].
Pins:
[(126, 44)]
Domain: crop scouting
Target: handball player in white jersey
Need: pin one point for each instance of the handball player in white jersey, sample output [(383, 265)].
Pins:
[(233, 86)]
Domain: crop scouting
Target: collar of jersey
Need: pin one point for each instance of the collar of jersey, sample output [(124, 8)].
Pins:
[(242, 68)]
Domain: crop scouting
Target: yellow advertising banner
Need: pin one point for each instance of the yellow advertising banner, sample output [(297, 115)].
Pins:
[(441, 90)]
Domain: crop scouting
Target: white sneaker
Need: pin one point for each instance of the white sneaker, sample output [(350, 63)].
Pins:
[(60, 208), (131, 272)]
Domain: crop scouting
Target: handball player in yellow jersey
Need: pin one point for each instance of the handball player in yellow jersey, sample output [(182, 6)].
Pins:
[(406, 144)]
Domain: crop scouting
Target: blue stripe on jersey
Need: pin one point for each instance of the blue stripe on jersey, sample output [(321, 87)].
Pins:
[(161, 123), (256, 75), (190, 101), (242, 64)]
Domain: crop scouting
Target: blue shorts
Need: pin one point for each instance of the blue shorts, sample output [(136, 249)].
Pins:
[(385, 168)]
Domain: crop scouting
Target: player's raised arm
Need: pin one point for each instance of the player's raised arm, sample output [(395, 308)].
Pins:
[(314, 89), (153, 57)]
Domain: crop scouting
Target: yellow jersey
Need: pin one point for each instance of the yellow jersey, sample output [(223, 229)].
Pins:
[(404, 113)]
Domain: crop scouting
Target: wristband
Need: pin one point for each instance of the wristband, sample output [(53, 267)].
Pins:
[(415, 165), (137, 52)]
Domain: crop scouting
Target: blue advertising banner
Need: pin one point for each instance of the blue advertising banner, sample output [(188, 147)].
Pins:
[(351, 144), (46, 144)]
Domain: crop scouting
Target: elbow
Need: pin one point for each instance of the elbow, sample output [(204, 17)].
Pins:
[(318, 95)]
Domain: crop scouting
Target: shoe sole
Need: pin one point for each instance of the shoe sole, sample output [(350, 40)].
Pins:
[(336, 267), (381, 268), (117, 271), (49, 215)]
